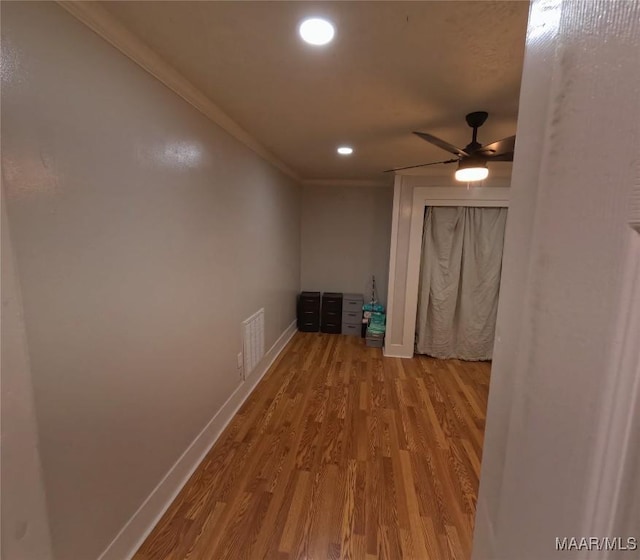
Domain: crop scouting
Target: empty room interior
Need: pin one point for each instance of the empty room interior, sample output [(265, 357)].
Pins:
[(320, 280)]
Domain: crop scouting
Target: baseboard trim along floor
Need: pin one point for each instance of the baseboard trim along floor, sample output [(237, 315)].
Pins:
[(136, 530), (339, 452)]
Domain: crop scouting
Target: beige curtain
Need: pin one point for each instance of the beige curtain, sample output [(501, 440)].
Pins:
[(460, 282)]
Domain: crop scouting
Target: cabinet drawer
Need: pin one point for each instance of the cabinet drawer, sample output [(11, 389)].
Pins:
[(309, 300), (351, 317), (310, 295), (309, 326), (355, 330), (309, 305), (330, 327), (331, 315), (309, 313), (352, 305), (332, 307), (332, 301)]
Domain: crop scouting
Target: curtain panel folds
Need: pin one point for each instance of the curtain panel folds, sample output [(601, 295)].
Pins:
[(460, 282)]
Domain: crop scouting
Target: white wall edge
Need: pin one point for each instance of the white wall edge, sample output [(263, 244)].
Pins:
[(397, 351), (142, 522), (617, 431), (109, 28), (393, 247)]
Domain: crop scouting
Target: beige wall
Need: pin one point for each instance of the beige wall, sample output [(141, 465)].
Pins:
[(345, 236), (143, 235), (25, 528)]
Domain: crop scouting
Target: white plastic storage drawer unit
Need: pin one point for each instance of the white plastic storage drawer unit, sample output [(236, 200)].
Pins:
[(352, 314)]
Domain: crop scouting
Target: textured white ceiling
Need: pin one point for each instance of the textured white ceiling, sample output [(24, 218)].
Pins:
[(393, 67)]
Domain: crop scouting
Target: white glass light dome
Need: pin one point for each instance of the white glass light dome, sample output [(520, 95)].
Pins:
[(316, 31), (470, 174)]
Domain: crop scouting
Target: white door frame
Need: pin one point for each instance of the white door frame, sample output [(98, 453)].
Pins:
[(422, 197)]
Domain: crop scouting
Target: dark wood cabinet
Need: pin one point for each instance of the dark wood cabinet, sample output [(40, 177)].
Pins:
[(309, 311), (331, 321), (331, 312)]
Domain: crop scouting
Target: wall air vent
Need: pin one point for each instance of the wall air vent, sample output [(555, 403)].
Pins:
[(253, 341), (634, 204)]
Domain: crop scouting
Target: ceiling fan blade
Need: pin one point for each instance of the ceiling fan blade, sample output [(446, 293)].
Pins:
[(442, 144), (504, 146), (502, 157), (421, 165)]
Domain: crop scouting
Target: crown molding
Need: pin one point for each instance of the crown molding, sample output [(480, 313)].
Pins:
[(109, 28), (346, 183)]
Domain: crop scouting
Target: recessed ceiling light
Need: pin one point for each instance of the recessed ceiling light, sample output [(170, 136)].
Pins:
[(316, 31), (345, 150)]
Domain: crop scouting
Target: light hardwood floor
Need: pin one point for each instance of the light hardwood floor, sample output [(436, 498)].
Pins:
[(339, 453)]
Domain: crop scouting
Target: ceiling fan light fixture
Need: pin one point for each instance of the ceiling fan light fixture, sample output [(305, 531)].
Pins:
[(471, 170), (316, 31)]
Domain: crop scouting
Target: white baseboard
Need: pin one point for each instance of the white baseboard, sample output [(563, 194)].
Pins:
[(397, 351), (132, 535)]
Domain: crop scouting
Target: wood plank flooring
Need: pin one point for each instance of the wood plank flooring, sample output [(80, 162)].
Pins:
[(339, 453)]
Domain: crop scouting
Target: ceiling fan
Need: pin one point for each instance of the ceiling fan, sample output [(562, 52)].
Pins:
[(472, 160)]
